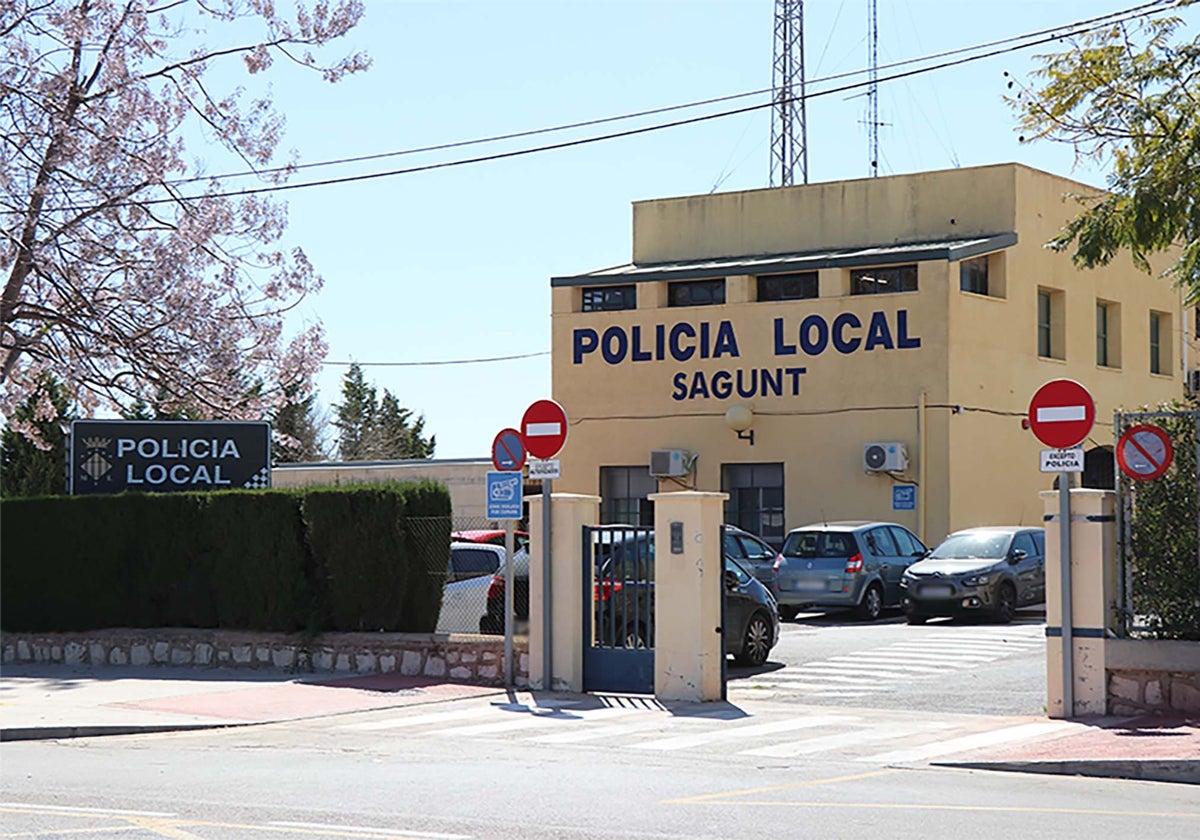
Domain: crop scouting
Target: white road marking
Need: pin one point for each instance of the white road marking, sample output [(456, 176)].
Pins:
[(809, 746), (1021, 732), (733, 733), (367, 829), (418, 720), (69, 810), (533, 721)]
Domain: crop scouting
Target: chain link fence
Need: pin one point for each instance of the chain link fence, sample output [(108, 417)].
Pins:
[(1158, 529), (471, 569)]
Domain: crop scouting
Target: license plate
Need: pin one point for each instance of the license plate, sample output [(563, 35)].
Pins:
[(937, 590), (808, 585)]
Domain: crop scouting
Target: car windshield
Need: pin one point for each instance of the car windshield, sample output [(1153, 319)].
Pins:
[(973, 546), (819, 544)]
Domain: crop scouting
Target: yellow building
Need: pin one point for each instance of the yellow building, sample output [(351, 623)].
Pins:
[(916, 312)]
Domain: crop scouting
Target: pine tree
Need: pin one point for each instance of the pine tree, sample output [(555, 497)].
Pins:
[(297, 428), (371, 429), (33, 447)]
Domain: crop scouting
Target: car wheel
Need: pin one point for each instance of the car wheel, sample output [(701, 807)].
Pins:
[(871, 604), (915, 618), (635, 637), (758, 641), (1006, 603), (787, 613)]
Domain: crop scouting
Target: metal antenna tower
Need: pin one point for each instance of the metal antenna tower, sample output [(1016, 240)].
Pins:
[(789, 133), (873, 89)]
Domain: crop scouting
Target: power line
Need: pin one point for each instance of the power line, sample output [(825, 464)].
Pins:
[(1087, 24), (442, 362), (1118, 17)]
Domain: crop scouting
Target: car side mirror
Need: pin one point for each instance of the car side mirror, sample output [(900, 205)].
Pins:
[(1018, 554), (731, 580)]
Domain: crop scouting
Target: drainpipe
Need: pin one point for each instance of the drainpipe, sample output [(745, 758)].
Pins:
[(922, 464)]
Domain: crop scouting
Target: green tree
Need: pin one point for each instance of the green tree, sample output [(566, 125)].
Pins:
[(1127, 95), (298, 430), (377, 428), (33, 447)]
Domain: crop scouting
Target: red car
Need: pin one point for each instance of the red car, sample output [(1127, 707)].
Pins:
[(491, 536)]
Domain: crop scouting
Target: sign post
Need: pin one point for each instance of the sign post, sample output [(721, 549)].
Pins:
[(544, 431), (1061, 415)]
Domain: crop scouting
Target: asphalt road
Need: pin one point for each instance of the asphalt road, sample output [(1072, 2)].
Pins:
[(372, 775)]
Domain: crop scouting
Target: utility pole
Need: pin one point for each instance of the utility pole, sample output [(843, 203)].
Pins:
[(789, 134)]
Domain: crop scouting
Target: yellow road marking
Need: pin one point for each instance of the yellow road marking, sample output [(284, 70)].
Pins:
[(711, 796)]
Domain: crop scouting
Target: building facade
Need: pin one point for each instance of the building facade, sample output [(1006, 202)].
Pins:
[(849, 350)]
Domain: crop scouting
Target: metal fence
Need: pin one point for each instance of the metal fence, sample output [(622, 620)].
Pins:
[(472, 566), (1158, 526)]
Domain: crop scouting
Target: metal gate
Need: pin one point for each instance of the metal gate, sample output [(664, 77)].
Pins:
[(1158, 534), (618, 609)]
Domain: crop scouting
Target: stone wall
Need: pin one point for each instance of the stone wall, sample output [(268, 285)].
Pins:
[(456, 658), (1152, 675)]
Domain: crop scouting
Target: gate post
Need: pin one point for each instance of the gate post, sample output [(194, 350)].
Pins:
[(571, 512), (688, 588), (1093, 599)]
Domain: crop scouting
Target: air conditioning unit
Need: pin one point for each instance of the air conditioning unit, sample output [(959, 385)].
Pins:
[(665, 463), (885, 457), (1193, 381)]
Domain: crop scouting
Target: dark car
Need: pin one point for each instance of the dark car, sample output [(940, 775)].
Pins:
[(753, 553), (979, 571), (624, 598), (849, 565)]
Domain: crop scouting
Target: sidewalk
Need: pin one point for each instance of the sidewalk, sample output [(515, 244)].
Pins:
[(40, 702)]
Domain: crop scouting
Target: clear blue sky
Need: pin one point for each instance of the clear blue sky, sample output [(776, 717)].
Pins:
[(454, 264)]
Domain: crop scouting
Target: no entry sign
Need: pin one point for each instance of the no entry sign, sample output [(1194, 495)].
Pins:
[(1144, 452), (544, 428), (1062, 413)]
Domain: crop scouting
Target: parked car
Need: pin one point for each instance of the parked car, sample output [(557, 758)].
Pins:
[(492, 621), (624, 598), (491, 536), (978, 571), (464, 597), (848, 565), (752, 552)]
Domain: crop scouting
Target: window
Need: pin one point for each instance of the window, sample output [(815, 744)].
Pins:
[(872, 281), (881, 544), (608, 298), (788, 286), (696, 292), (1024, 542), (755, 502), (1102, 335), (1051, 339), (973, 275), (624, 493), (473, 562), (908, 545), (1160, 344)]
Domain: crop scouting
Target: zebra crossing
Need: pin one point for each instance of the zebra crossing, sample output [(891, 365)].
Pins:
[(884, 668), (648, 728)]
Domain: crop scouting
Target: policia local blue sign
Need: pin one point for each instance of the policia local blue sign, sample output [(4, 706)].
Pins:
[(110, 456)]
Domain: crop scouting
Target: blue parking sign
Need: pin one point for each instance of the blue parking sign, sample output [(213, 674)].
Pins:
[(904, 497), (504, 500)]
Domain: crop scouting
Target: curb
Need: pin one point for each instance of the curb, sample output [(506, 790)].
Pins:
[(54, 733), (1181, 771)]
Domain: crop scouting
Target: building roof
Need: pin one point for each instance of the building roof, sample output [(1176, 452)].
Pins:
[(874, 255)]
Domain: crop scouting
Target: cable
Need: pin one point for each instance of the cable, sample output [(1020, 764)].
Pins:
[(272, 188), (444, 362), (1096, 21)]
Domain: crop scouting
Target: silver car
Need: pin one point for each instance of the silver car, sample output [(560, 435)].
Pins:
[(847, 565)]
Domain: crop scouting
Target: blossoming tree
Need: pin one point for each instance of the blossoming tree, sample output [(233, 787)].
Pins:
[(127, 273)]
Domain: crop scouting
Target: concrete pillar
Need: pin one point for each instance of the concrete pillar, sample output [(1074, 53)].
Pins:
[(569, 513), (688, 588), (1093, 599)]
